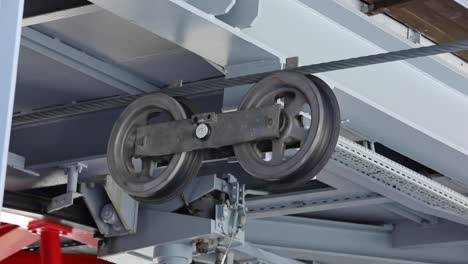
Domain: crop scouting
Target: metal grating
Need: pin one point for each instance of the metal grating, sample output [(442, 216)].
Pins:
[(390, 179)]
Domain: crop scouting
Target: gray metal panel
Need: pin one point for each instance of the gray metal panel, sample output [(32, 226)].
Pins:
[(82, 62), (76, 11), (173, 65), (10, 24), (44, 82), (192, 29), (106, 35), (111, 38), (407, 234)]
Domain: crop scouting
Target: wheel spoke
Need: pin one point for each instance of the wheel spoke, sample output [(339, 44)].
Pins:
[(147, 167), (297, 133), (277, 151), (142, 119), (269, 99), (295, 105)]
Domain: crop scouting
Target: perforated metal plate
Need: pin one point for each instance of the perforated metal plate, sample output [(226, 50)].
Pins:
[(399, 183)]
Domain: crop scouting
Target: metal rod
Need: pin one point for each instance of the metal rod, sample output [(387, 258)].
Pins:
[(50, 247)]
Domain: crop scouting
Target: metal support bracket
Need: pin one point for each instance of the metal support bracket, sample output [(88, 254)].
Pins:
[(65, 200), (153, 232), (16, 166), (243, 14), (208, 130), (414, 36), (231, 217), (217, 7), (114, 211)]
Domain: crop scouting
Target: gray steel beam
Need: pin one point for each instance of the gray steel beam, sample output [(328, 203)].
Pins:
[(10, 22), (194, 29), (442, 234), (82, 62), (412, 215), (336, 242), (309, 201), (61, 14)]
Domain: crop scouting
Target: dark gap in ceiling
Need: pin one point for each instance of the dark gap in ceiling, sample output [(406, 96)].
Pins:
[(40, 7)]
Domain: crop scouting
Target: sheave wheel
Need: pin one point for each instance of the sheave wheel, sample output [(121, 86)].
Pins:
[(309, 129), (155, 179)]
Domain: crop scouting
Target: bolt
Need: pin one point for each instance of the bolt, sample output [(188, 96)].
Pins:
[(108, 214), (202, 131), (345, 121), (202, 247), (269, 121)]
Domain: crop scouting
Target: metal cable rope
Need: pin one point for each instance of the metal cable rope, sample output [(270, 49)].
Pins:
[(218, 84)]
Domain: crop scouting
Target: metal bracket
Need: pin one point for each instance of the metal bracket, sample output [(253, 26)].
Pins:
[(414, 36), (16, 166), (66, 199), (114, 211), (231, 216), (196, 189), (216, 7), (208, 130), (243, 14)]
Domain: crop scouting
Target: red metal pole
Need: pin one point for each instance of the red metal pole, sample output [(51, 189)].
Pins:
[(50, 246)]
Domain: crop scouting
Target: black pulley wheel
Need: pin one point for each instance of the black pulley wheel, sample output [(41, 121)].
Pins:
[(309, 129), (154, 179)]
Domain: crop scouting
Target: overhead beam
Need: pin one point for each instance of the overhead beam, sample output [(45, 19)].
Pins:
[(196, 30), (82, 62), (407, 234), (337, 242), (61, 14)]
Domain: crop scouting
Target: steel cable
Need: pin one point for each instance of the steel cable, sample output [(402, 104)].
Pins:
[(218, 84)]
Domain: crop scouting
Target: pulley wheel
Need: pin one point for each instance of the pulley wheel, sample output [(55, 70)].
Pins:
[(309, 129), (155, 179)]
